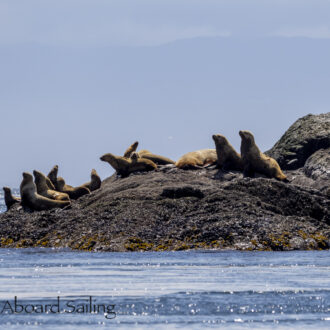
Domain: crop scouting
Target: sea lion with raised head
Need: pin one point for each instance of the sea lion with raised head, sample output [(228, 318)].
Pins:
[(95, 182), (197, 159), (34, 201), (227, 157), (255, 161), (43, 188), (124, 166), (10, 200), (146, 154), (73, 192), (52, 176), (60, 185), (132, 148)]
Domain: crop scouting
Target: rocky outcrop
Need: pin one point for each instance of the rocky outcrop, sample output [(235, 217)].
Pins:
[(306, 136), (173, 209)]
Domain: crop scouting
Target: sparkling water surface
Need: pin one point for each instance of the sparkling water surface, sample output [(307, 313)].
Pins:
[(169, 290)]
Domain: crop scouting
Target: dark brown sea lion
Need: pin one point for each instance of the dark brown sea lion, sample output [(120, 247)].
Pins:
[(131, 149), (10, 200), (124, 166), (73, 192), (43, 188), (228, 158), (95, 182), (34, 201), (255, 161), (52, 176), (197, 159)]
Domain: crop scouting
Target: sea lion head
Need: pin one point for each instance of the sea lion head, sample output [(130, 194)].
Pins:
[(111, 159), (6, 190), (27, 176), (27, 185), (135, 145), (94, 173), (61, 183), (219, 139), (38, 175), (247, 136)]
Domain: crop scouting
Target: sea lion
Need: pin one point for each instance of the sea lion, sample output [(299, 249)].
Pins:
[(10, 200), (34, 201), (131, 149), (52, 176), (73, 192), (95, 182), (255, 161), (197, 159), (146, 154), (60, 185), (228, 158), (157, 159), (125, 166), (43, 188)]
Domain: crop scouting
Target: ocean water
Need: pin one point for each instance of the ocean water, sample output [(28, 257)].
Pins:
[(168, 290), (2, 202)]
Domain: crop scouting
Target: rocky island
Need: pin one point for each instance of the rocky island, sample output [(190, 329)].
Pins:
[(174, 209)]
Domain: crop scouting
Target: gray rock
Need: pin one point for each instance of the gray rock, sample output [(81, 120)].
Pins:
[(297, 243), (306, 136)]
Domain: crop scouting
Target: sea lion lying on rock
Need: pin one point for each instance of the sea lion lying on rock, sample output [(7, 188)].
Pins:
[(228, 158), (197, 159), (60, 185), (157, 159), (10, 200), (146, 154), (34, 201), (73, 192), (43, 188), (124, 166), (255, 161), (95, 182)]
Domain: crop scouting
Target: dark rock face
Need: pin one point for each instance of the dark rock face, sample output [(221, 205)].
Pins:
[(301, 140), (173, 209)]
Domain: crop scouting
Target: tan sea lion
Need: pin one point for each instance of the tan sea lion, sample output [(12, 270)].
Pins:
[(125, 166), (228, 158), (43, 188), (73, 192), (34, 201), (255, 161), (10, 200), (131, 149), (95, 182), (60, 185), (197, 159), (157, 159)]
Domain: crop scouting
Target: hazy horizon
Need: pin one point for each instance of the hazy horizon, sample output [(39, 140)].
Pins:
[(82, 78)]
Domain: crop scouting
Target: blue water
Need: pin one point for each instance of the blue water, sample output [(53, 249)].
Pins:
[(168, 290)]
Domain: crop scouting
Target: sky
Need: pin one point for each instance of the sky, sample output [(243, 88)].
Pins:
[(80, 78)]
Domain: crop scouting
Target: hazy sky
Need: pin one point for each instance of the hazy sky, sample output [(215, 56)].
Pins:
[(81, 78)]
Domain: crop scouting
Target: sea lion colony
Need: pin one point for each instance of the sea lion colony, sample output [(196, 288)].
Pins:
[(51, 191)]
